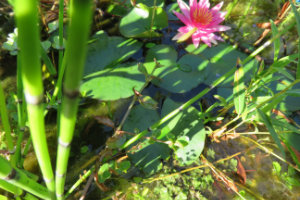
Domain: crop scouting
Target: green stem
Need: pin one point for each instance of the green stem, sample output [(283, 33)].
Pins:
[(19, 99), (26, 14), (5, 122), (19, 179), (78, 32), (79, 181), (47, 61)]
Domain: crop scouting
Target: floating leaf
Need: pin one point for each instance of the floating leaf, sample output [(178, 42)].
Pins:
[(178, 77), (138, 22), (222, 59), (106, 52), (140, 118), (113, 84), (149, 156), (186, 124)]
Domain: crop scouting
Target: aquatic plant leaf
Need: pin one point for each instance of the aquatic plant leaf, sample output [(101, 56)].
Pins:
[(239, 90), (276, 41), (148, 157), (103, 172), (140, 118), (106, 52), (178, 77), (140, 21), (112, 84), (186, 124), (271, 129), (222, 59), (291, 102)]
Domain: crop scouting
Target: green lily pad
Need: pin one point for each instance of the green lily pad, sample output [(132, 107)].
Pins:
[(186, 125), (178, 77), (113, 84), (223, 58), (140, 22), (149, 156), (106, 52), (140, 118)]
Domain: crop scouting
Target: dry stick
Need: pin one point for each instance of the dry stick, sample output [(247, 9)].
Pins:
[(226, 180), (89, 182)]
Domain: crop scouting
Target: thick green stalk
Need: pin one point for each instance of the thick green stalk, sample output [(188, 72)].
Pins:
[(78, 32), (26, 14), (19, 179)]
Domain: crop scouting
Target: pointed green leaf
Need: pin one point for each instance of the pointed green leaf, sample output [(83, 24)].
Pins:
[(276, 42), (271, 129), (239, 90)]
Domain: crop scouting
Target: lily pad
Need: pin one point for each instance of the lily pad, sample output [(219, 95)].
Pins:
[(186, 125), (223, 58), (106, 52), (140, 118), (140, 22), (178, 77), (113, 84), (149, 156)]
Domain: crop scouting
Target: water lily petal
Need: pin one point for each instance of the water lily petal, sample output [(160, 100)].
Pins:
[(196, 40), (183, 18), (204, 3), (219, 28), (217, 7), (206, 41), (184, 29), (184, 8)]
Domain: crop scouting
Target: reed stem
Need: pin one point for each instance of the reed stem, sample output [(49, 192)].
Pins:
[(78, 32), (26, 14)]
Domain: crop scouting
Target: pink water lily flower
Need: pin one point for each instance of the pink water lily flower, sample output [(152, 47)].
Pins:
[(200, 22)]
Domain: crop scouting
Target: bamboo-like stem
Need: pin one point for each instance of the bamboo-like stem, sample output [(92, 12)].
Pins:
[(78, 32), (26, 14), (19, 179), (5, 122)]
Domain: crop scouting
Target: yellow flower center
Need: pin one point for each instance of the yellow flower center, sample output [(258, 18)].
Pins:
[(202, 16)]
